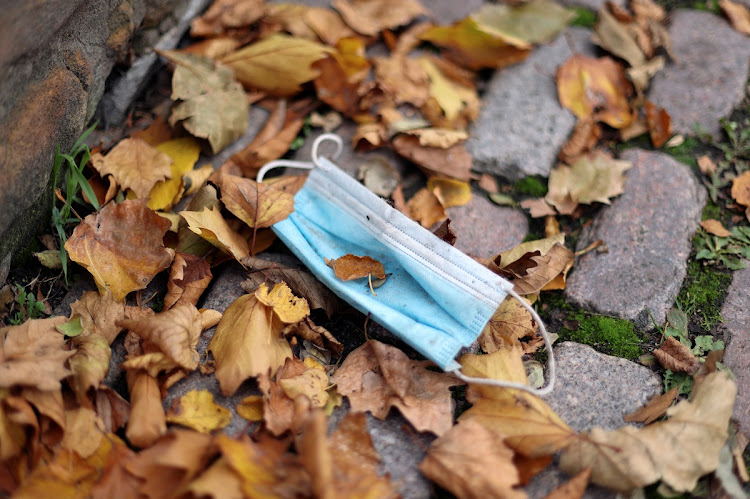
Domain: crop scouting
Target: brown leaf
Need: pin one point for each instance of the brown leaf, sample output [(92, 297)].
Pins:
[(327, 24), (595, 87), (454, 162), (211, 226), (318, 335), (369, 17), (573, 488), (247, 343), (90, 364), (280, 412), (333, 87), (647, 9), (82, 431), (538, 207), (584, 137), (115, 481), (99, 314), (218, 480), (188, 278), (425, 208), (33, 354), (350, 267), (543, 270), (111, 408), (510, 322), (50, 406), (677, 357), (472, 462), (258, 205), (146, 422), (706, 165), (654, 409), (134, 165), (613, 35), (402, 79), (445, 232), (715, 227), (224, 14), (659, 124), (19, 427), (738, 15), (376, 377), (741, 189), (121, 246)]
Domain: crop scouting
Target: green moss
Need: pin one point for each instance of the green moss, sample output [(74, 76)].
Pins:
[(531, 186), (711, 211), (685, 152), (585, 18), (702, 293), (606, 334)]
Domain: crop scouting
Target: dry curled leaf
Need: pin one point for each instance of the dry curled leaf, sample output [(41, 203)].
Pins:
[(654, 409), (350, 267), (676, 356), (573, 488), (289, 308), (135, 165), (318, 335), (188, 278), (450, 192), (369, 17), (224, 14), (121, 246), (510, 322)]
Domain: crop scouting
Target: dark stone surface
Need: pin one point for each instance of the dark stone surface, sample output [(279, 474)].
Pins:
[(708, 79), (522, 126), (736, 314), (647, 231), (594, 389)]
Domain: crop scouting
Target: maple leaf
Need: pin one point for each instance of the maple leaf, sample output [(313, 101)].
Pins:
[(528, 425), (595, 87), (66, 474), (134, 165), (425, 208), (350, 267), (525, 24), (281, 413), (247, 343), (259, 205), (471, 461), (678, 450), (543, 271), (213, 106), (188, 278), (376, 377), (289, 308), (278, 64), (121, 246), (223, 14), (33, 354), (79, 437), (184, 153), (454, 162), (344, 464), (211, 226), (197, 410), (369, 17), (466, 44)]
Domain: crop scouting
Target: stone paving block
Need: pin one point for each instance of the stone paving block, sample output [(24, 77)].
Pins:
[(552, 477), (484, 229), (647, 231), (736, 314), (594, 5), (708, 78), (522, 126), (594, 389)]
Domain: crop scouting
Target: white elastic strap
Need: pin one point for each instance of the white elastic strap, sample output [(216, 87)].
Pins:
[(509, 384), (303, 165)]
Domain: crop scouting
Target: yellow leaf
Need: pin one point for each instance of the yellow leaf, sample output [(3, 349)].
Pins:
[(524, 24), (277, 64), (451, 97), (211, 226), (290, 309), (425, 208), (251, 408), (90, 364), (184, 153), (194, 179), (197, 410), (715, 227), (438, 137), (219, 481), (312, 384), (450, 192), (134, 165), (510, 322), (247, 343)]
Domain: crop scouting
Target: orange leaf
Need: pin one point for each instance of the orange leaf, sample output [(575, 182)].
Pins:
[(135, 165), (350, 267), (659, 124)]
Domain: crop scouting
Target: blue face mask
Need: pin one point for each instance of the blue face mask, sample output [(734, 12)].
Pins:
[(435, 298)]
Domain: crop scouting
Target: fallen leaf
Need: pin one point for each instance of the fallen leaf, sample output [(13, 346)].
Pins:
[(445, 232), (368, 136), (369, 17), (738, 15), (134, 165), (188, 278), (538, 207), (333, 87), (350, 267), (251, 408), (654, 409), (121, 246), (146, 422), (327, 24), (706, 165), (156, 133), (188, 240), (510, 322), (648, 9), (547, 268), (33, 354), (584, 137), (98, 314), (195, 179), (514, 254), (376, 377), (454, 162), (90, 364), (741, 189), (111, 408), (453, 98), (259, 205), (218, 480), (528, 425), (211, 226), (289, 308), (66, 474), (402, 79), (115, 480), (379, 176), (213, 104), (247, 343), (278, 64), (449, 192), (615, 37), (659, 124), (525, 24), (425, 208), (312, 383), (197, 410), (318, 335), (290, 17), (50, 406), (280, 412), (184, 153), (676, 356), (573, 488), (224, 14), (715, 227), (82, 431), (595, 87), (18, 426), (678, 450), (466, 44), (471, 461)]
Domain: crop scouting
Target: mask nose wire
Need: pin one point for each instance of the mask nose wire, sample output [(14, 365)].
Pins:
[(509, 384), (304, 165)]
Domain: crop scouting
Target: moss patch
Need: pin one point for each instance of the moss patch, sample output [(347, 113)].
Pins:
[(606, 334), (711, 211), (702, 294), (585, 18), (531, 186)]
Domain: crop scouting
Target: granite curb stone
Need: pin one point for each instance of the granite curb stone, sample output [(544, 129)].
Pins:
[(647, 231), (522, 126), (709, 76)]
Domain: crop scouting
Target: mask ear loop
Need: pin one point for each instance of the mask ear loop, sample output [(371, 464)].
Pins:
[(303, 165), (509, 384)]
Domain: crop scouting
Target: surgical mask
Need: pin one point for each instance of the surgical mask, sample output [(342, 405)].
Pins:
[(435, 298)]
